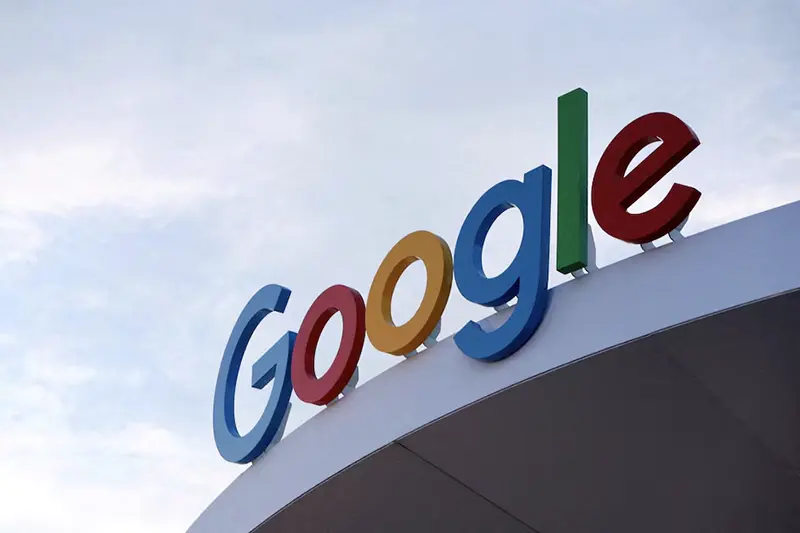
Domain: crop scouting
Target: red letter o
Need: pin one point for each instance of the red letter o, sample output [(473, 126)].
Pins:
[(323, 390)]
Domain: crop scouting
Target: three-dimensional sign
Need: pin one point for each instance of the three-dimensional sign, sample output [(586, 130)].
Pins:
[(289, 363)]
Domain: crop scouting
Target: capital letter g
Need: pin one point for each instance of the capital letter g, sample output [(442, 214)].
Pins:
[(275, 365)]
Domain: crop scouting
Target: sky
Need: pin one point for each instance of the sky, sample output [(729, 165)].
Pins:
[(162, 161)]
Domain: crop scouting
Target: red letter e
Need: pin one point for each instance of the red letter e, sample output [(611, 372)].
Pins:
[(613, 192)]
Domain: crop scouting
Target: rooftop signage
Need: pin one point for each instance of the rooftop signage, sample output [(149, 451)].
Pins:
[(289, 363)]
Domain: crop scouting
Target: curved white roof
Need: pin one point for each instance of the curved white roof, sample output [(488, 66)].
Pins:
[(731, 265)]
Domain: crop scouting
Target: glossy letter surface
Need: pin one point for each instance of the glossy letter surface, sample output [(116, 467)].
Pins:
[(573, 181), (525, 278), (613, 191), (322, 390), (274, 365), (434, 252)]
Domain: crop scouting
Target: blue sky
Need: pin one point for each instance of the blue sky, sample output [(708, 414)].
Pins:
[(161, 161)]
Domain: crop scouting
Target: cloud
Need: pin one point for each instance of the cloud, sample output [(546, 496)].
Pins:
[(143, 440), (20, 239), (64, 475), (84, 176), (67, 480), (160, 163)]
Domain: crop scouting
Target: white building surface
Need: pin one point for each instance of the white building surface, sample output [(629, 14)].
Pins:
[(661, 394)]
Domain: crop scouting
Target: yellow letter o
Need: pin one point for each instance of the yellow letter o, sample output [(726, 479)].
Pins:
[(435, 254)]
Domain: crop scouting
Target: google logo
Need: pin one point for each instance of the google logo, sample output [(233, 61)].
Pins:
[(289, 363)]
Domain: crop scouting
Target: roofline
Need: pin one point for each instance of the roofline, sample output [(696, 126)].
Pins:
[(740, 262)]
